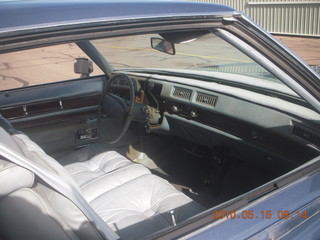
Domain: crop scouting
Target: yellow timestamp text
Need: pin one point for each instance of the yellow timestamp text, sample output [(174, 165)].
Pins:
[(250, 214)]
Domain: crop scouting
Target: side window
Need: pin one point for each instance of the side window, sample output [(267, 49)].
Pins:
[(41, 65)]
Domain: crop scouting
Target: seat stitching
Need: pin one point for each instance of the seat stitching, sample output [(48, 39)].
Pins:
[(117, 187), (98, 163), (106, 173), (117, 163), (89, 170), (102, 157), (169, 195), (80, 171)]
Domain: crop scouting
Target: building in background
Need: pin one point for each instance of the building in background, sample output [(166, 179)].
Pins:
[(285, 17)]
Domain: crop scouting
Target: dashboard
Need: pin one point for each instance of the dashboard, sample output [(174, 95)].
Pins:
[(251, 125), (208, 117)]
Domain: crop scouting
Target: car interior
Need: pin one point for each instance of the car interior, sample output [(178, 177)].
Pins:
[(149, 152)]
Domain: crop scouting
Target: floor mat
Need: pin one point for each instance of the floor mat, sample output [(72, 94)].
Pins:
[(170, 158)]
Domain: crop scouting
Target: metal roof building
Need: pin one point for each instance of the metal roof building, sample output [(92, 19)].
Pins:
[(287, 17)]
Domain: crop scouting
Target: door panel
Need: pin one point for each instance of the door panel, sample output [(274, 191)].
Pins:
[(59, 116)]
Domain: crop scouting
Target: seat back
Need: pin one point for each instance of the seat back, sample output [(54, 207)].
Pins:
[(29, 208)]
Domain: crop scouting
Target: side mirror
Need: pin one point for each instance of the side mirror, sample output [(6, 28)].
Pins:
[(83, 66), (163, 45)]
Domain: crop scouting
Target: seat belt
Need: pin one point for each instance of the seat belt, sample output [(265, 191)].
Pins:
[(64, 188)]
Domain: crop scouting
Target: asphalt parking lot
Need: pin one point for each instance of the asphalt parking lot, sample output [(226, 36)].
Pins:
[(308, 49), (55, 63)]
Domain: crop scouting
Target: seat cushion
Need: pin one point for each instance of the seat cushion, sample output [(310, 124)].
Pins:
[(32, 209), (128, 197), (83, 154), (99, 165), (141, 206), (98, 186)]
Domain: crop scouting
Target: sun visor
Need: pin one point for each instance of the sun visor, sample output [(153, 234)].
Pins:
[(182, 37)]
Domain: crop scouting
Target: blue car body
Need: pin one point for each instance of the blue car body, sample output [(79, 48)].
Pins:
[(287, 207)]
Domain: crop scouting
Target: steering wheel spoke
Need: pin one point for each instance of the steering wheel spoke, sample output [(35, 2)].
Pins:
[(115, 113)]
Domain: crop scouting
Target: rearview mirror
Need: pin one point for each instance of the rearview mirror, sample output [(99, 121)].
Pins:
[(83, 66), (163, 45)]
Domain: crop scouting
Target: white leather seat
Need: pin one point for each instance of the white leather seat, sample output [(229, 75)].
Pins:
[(97, 166), (127, 196), (130, 199), (29, 208)]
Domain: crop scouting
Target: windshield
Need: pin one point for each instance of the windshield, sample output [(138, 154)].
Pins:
[(203, 56)]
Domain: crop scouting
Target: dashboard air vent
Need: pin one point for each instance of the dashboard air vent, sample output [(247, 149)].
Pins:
[(182, 93), (206, 99), (306, 135)]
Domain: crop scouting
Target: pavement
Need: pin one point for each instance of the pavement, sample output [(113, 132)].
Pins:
[(55, 63), (308, 49)]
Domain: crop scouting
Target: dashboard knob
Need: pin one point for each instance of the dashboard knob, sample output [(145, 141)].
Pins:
[(193, 114), (175, 109)]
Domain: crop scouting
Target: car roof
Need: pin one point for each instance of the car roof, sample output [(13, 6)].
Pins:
[(23, 15)]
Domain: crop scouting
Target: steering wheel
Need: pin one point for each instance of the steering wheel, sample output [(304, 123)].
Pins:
[(114, 112)]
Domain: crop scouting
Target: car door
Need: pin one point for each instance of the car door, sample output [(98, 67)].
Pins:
[(58, 114)]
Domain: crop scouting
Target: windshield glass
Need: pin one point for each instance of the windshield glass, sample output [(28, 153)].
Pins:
[(204, 56)]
